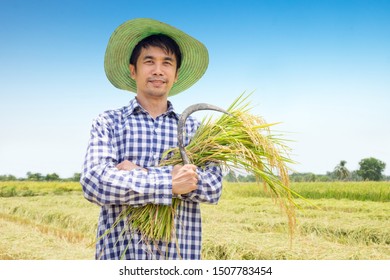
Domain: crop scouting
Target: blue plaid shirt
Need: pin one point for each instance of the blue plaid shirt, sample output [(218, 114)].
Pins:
[(130, 133)]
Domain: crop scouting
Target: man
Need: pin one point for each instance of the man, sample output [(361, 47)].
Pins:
[(155, 61)]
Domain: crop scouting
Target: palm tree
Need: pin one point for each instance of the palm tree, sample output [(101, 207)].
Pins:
[(341, 171)]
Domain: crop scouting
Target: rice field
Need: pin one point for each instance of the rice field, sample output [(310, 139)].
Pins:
[(344, 220)]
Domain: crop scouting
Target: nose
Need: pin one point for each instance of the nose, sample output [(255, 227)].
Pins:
[(158, 70)]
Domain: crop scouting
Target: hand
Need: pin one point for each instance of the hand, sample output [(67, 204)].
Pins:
[(184, 179), (128, 165)]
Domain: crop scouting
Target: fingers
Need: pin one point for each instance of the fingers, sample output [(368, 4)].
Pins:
[(128, 166), (184, 179), (190, 167), (120, 166)]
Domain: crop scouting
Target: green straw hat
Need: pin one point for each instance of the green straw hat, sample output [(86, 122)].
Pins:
[(195, 57)]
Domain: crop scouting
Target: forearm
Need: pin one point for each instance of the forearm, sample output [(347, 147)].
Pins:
[(104, 184)]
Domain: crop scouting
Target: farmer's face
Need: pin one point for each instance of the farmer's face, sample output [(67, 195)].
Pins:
[(155, 72)]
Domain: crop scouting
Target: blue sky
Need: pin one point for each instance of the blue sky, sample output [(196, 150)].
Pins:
[(321, 68)]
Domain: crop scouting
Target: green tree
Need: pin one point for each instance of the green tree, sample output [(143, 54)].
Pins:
[(341, 170), (7, 178), (231, 176), (241, 178), (250, 178), (371, 169), (52, 177), (76, 177), (355, 176), (34, 176)]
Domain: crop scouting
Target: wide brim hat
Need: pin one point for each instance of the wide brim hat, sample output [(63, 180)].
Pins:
[(195, 57)]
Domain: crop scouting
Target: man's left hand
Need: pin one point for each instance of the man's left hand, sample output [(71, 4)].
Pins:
[(128, 165)]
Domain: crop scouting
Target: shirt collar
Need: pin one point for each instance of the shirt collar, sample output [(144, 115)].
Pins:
[(134, 107)]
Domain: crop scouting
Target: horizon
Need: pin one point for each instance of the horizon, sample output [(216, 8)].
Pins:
[(237, 173)]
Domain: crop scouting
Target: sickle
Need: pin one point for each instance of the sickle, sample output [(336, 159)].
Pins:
[(182, 121)]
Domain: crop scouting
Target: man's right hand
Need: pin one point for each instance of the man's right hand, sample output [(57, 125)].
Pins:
[(184, 179)]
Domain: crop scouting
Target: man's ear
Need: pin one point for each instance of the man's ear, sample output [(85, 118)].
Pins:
[(132, 71), (177, 75)]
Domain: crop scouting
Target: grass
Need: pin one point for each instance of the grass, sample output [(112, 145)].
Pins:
[(246, 224), (363, 191), (29, 188)]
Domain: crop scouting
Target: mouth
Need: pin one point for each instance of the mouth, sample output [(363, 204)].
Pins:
[(157, 82)]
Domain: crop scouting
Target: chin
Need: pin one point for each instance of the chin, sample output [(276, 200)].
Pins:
[(157, 95)]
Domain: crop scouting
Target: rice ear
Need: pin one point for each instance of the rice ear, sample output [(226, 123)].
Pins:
[(241, 140)]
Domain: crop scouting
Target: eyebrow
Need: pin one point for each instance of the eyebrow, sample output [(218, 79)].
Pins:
[(166, 58)]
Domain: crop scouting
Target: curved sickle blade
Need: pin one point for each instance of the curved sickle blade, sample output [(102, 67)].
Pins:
[(182, 121)]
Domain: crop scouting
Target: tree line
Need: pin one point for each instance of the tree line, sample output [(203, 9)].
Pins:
[(371, 169), (30, 176)]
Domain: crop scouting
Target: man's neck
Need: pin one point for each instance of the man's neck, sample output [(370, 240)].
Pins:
[(154, 106)]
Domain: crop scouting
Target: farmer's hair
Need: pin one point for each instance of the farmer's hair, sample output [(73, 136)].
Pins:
[(157, 40)]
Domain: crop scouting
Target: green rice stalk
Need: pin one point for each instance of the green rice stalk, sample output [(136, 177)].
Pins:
[(240, 141)]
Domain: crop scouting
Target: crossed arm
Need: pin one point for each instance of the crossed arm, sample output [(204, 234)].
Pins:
[(184, 178)]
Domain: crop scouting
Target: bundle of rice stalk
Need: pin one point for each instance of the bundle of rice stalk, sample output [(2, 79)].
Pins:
[(239, 140)]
